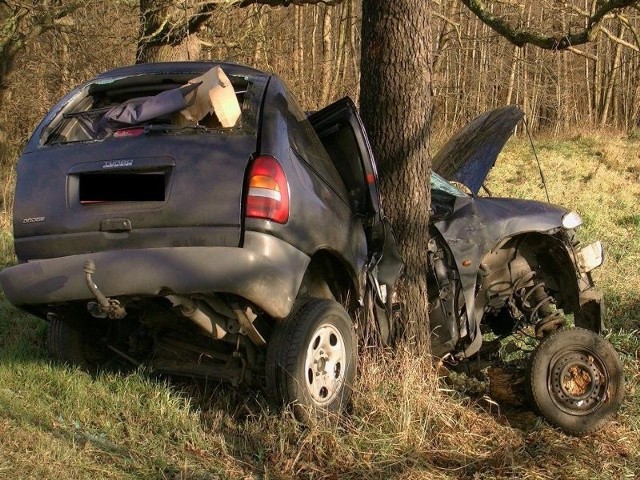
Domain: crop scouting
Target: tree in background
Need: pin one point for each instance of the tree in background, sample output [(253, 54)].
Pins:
[(22, 22), (169, 28)]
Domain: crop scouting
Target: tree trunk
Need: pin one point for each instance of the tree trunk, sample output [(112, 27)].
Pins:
[(396, 109), (611, 80), (327, 54), (153, 43)]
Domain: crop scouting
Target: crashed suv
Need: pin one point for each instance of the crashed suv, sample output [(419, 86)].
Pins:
[(501, 266), (187, 217)]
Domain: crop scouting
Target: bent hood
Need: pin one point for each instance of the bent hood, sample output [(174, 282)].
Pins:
[(470, 154)]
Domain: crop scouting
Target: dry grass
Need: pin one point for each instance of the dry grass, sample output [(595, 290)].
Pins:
[(405, 422)]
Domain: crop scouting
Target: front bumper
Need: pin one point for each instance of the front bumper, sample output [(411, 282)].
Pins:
[(266, 271)]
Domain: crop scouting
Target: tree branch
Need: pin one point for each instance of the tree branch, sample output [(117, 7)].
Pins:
[(521, 37), (173, 31), (23, 22)]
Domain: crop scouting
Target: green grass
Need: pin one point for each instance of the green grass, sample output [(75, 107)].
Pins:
[(60, 422)]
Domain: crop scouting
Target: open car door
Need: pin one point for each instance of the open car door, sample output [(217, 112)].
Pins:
[(343, 135)]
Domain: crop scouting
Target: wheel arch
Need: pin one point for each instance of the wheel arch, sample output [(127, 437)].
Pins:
[(329, 276), (551, 258)]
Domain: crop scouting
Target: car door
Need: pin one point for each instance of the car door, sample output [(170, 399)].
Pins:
[(343, 136), (342, 133)]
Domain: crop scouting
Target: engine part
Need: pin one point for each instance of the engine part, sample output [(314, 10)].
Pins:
[(536, 304), (526, 295), (246, 318), (443, 299), (201, 315)]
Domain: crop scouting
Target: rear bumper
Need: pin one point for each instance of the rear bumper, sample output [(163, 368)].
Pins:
[(266, 271)]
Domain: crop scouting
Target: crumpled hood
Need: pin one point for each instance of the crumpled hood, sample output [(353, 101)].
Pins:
[(470, 154)]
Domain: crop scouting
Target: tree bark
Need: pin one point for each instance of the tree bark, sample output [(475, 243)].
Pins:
[(164, 33), (396, 109)]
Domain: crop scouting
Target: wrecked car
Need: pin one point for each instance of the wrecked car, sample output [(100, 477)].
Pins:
[(500, 266), (187, 217)]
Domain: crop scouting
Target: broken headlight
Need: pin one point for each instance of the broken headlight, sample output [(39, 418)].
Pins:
[(571, 220)]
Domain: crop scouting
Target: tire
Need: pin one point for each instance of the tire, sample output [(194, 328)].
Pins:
[(311, 359), (575, 380), (78, 342)]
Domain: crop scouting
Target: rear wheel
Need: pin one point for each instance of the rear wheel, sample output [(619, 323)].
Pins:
[(311, 359), (575, 380), (79, 342)]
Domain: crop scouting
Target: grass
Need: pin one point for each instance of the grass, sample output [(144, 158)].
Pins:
[(405, 423)]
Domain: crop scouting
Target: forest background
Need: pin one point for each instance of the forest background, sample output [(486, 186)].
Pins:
[(316, 50), (584, 103)]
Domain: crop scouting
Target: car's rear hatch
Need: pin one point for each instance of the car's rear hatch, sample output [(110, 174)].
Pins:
[(86, 183)]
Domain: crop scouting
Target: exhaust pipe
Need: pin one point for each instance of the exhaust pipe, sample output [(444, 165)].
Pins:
[(106, 306), (201, 314)]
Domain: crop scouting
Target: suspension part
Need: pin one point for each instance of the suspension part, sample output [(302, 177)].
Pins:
[(535, 303)]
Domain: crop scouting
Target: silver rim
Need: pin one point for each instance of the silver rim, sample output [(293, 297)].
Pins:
[(324, 364)]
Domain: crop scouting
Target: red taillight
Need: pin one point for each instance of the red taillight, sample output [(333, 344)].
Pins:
[(128, 132), (268, 191)]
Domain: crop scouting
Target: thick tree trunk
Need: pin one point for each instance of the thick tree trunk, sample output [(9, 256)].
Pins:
[(158, 43), (396, 109)]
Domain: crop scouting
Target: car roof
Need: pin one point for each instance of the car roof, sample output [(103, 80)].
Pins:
[(178, 68)]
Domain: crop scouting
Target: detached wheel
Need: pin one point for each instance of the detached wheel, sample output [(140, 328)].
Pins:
[(575, 380), (79, 342), (311, 359)]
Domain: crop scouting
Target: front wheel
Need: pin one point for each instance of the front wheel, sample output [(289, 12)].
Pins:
[(575, 380), (311, 359)]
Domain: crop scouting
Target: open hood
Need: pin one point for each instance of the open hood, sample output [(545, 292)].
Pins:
[(470, 154)]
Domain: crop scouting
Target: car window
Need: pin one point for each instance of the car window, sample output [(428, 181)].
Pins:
[(125, 106), (305, 142)]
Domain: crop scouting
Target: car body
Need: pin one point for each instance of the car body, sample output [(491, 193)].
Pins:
[(504, 265), (175, 214), (486, 235), (191, 218)]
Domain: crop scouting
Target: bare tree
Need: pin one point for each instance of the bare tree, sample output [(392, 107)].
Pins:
[(169, 29), (554, 40), (22, 22)]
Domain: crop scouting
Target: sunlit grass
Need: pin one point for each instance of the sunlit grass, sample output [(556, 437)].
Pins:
[(405, 423)]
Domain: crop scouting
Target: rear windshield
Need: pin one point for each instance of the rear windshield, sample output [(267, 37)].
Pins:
[(180, 104)]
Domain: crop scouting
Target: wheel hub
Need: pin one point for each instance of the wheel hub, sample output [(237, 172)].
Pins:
[(577, 381), (325, 364)]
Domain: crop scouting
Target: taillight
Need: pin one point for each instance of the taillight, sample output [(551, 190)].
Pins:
[(128, 132), (268, 194)]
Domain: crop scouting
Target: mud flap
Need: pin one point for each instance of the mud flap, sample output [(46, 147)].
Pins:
[(591, 313)]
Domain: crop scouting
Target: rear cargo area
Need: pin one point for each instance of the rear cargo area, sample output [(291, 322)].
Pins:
[(140, 159)]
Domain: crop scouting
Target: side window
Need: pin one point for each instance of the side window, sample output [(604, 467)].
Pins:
[(342, 147), (305, 141)]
